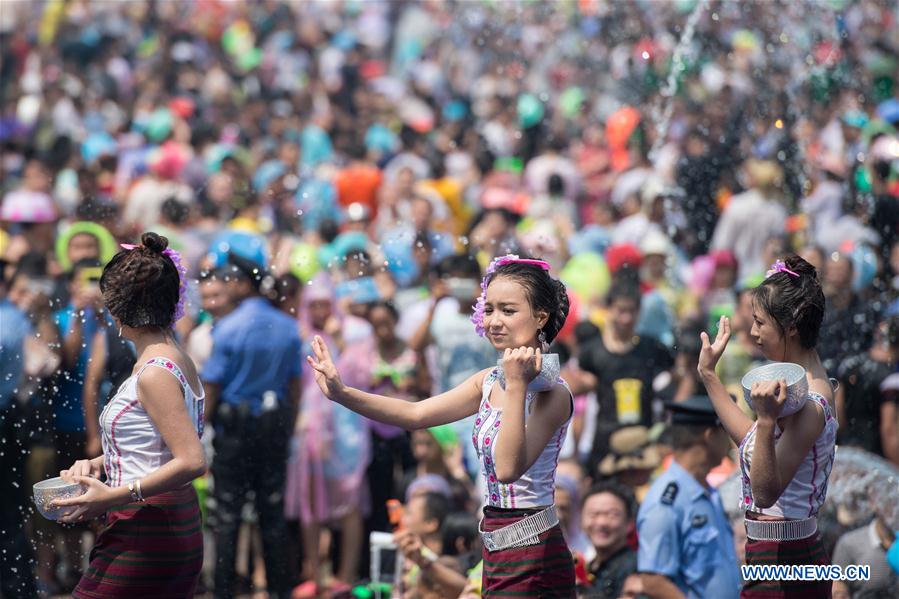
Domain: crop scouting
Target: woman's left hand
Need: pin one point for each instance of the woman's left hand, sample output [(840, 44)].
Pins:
[(93, 503), (522, 364), (768, 399)]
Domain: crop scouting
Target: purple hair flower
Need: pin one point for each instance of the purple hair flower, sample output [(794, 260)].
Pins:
[(175, 257), (779, 266), (477, 316)]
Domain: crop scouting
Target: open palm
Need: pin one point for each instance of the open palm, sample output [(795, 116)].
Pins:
[(711, 351), (323, 368)]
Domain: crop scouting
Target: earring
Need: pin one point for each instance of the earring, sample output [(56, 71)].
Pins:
[(541, 337), (120, 331)]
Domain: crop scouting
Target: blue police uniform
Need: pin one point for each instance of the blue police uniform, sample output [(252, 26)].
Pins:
[(683, 531), (255, 349)]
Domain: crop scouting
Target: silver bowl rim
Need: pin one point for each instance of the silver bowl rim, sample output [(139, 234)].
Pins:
[(43, 485), (790, 385)]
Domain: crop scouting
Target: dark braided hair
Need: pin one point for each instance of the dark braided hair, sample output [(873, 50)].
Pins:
[(545, 294), (793, 300), (141, 286)]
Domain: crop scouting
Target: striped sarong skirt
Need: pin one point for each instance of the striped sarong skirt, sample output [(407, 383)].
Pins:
[(809, 551), (151, 549), (539, 571)]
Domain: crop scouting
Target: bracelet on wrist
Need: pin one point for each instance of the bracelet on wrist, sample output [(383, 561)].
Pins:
[(135, 491)]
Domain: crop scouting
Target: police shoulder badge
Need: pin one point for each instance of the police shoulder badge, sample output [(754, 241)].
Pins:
[(669, 494)]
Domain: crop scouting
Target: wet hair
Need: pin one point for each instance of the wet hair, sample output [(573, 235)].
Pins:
[(141, 286), (455, 526), (545, 294), (793, 300), (613, 487)]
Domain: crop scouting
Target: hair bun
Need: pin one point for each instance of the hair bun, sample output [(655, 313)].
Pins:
[(154, 242), (800, 266)]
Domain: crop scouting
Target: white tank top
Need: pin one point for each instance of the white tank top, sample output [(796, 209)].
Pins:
[(132, 445), (805, 494), (536, 487)]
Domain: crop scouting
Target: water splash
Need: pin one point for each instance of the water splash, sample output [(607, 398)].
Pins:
[(677, 66)]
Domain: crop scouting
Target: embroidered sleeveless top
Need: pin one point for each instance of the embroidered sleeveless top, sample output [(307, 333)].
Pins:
[(536, 487), (804, 494), (132, 445)]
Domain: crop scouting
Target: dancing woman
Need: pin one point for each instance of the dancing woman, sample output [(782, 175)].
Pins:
[(785, 461), (518, 431), (152, 544)]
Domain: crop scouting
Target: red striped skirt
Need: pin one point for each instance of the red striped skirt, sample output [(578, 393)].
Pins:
[(809, 551), (539, 571), (151, 549)]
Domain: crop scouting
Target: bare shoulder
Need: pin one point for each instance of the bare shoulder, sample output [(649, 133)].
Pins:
[(807, 420), (156, 376), (478, 378), (557, 398)]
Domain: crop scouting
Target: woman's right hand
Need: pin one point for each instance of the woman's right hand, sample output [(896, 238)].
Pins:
[(711, 352), (325, 371), (81, 468)]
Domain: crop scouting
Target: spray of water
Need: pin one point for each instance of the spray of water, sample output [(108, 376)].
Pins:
[(677, 66)]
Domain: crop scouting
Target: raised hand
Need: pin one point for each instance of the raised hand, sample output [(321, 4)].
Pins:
[(711, 352), (522, 364), (325, 371)]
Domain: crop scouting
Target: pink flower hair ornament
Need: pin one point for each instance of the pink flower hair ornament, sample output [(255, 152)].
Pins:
[(477, 316), (779, 266), (175, 257)]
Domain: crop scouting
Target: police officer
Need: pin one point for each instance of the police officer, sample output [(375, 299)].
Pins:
[(252, 393), (686, 545)]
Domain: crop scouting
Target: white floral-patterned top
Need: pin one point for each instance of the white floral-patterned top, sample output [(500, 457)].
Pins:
[(805, 494), (132, 445), (536, 487)]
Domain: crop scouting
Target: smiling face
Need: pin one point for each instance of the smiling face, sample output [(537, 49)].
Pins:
[(605, 521), (509, 320)]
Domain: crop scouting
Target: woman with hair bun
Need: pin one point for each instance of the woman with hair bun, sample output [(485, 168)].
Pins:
[(521, 422), (152, 545), (785, 460)]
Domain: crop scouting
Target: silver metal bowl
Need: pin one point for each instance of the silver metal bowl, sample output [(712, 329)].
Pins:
[(549, 374), (797, 384), (54, 488)]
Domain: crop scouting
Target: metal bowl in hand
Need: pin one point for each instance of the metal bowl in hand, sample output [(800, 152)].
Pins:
[(549, 374), (51, 489), (797, 384)]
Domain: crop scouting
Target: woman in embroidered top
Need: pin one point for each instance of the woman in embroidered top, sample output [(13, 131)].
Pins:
[(521, 422), (152, 545), (785, 460)]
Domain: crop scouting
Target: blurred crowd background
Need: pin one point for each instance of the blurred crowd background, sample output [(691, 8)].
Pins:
[(368, 159)]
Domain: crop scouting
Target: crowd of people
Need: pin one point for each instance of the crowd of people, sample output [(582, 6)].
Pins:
[(348, 170)]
